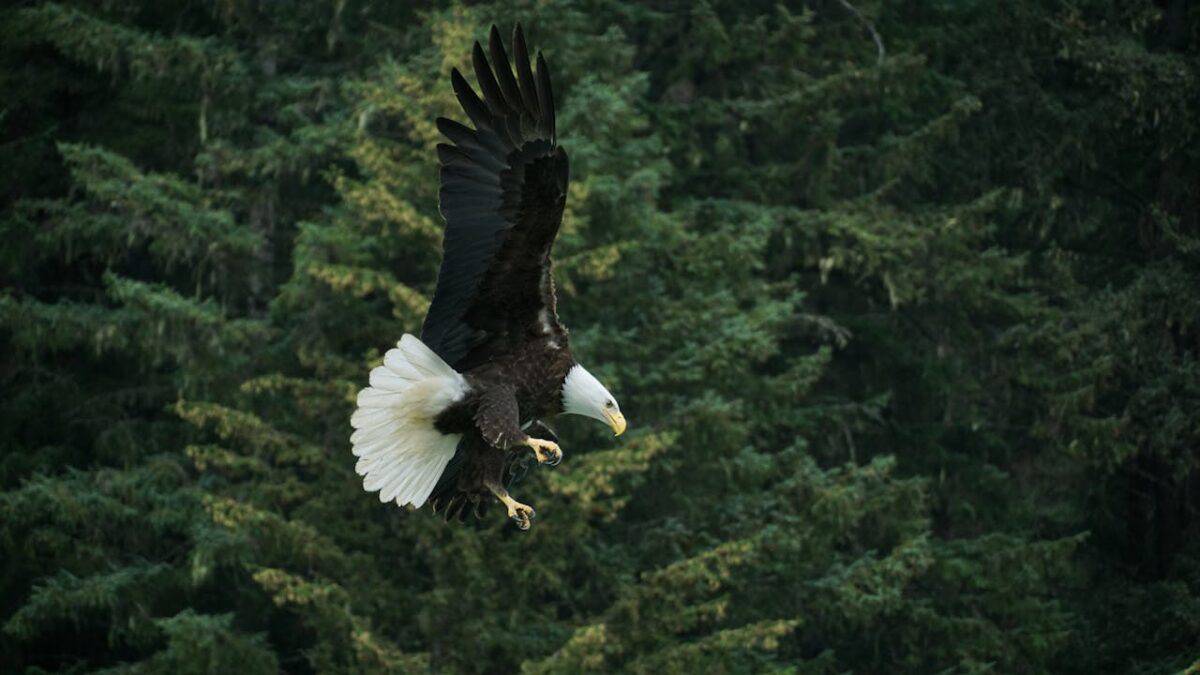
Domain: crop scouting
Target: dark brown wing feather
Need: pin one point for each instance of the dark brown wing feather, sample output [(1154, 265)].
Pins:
[(504, 185)]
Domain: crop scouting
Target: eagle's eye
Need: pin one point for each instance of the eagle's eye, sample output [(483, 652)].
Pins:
[(608, 404)]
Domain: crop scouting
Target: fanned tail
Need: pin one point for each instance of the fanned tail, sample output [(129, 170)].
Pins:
[(401, 454)]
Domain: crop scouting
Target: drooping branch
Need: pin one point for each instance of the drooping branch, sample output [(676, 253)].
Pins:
[(870, 28)]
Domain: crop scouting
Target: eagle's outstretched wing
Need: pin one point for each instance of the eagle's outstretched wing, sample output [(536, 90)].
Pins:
[(504, 186)]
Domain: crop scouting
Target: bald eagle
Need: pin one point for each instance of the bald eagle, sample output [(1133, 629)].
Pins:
[(450, 419)]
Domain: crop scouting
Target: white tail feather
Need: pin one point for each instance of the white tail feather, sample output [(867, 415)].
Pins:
[(400, 452)]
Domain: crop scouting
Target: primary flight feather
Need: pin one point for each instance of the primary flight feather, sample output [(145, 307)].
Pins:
[(450, 419)]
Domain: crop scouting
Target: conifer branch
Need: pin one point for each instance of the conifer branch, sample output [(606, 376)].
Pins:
[(870, 28)]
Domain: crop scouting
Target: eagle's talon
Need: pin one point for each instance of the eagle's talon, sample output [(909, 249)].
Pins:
[(522, 514), (547, 452), (519, 512)]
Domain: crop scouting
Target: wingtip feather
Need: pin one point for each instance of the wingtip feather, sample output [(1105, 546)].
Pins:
[(545, 95)]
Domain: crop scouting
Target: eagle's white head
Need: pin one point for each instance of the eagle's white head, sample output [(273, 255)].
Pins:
[(582, 394)]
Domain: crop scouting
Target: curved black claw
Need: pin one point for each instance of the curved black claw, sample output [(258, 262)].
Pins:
[(546, 452), (524, 518)]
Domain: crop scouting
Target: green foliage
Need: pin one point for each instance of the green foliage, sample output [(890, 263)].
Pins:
[(906, 332)]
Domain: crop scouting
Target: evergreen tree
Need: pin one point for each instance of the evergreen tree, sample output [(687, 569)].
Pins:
[(898, 299)]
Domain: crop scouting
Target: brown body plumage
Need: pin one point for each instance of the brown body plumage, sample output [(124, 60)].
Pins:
[(492, 429)]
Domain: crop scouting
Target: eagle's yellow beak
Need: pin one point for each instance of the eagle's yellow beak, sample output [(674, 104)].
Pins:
[(616, 420)]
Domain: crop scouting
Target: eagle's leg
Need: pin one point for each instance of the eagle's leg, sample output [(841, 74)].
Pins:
[(498, 420), (519, 512)]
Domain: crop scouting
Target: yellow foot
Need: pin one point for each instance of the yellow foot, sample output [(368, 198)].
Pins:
[(519, 512), (547, 452)]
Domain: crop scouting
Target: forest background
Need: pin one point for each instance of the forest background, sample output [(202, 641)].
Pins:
[(900, 299)]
